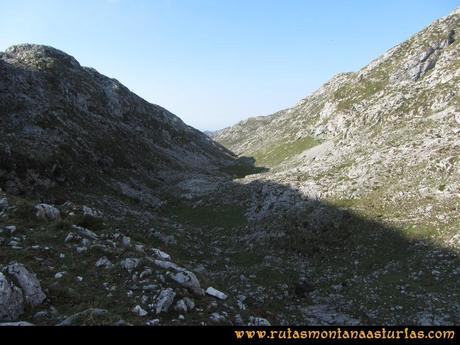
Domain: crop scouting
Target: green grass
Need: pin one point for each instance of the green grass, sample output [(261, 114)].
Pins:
[(225, 216), (279, 152)]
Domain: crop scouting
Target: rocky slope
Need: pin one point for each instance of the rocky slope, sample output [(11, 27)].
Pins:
[(68, 125), (71, 137), (387, 135), (383, 142), (112, 211)]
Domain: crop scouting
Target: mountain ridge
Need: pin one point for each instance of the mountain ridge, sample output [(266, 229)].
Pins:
[(55, 98), (369, 74)]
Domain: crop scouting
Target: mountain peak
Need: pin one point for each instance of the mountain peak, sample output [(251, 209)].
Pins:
[(36, 55)]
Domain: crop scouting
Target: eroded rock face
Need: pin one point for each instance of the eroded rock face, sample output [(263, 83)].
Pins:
[(30, 285), (11, 300)]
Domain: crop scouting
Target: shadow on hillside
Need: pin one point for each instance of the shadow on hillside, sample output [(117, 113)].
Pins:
[(373, 271), (244, 166)]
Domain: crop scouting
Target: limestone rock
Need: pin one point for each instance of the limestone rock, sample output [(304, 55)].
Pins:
[(104, 262), (188, 280), (216, 293), (139, 311), (45, 211), (160, 254), (164, 300), (30, 285), (11, 300), (130, 263)]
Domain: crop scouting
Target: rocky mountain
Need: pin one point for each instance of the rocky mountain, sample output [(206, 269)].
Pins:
[(68, 125), (342, 210), (387, 135), (383, 142)]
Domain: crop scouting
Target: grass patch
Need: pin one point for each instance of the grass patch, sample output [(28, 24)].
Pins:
[(279, 152), (225, 216)]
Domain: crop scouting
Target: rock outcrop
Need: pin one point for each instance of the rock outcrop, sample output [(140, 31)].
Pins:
[(18, 288)]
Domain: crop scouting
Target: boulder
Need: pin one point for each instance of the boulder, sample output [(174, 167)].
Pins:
[(85, 232), (104, 263), (159, 254), (181, 306), (130, 263), (164, 300), (216, 293), (3, 204), (45, 211), (139, 311), (188, 280), (11, 300), (33, 293)]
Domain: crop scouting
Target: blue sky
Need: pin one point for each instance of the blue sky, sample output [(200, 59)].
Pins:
[(215, 62)]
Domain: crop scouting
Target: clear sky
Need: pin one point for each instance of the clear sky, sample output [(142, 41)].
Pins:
[(215, 62)]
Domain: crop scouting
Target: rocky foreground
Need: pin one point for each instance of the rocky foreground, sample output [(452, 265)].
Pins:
[(112, 211)]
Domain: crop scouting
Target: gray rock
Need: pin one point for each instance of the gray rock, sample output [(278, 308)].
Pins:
[(164, 300), (11, 300), (181, 306), (41, 314), (166, 239), (188, 280), (85, 232), (139, 311), (130, 263), (91, 213), (258, 321), (126, 241), (10, 228), (154, 322), (16, 324), (104, 263), (45, 211), (167, 265), (217, 318), (216, 293), (160, 254), (33, 293), (59, 275), (190, 303), (3, 204)]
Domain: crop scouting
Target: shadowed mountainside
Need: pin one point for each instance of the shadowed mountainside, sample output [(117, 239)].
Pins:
[(273, 252)]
